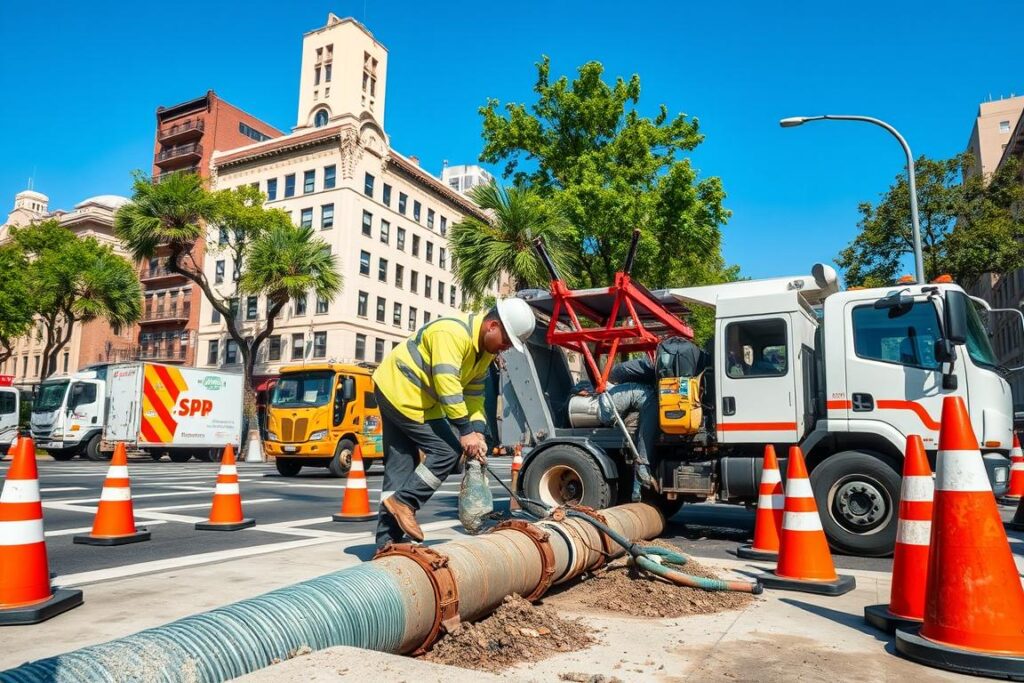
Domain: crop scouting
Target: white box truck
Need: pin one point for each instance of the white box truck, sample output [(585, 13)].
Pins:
[(155, 408), (10, 409)]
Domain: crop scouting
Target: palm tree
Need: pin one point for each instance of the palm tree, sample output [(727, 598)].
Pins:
[(483, 250)]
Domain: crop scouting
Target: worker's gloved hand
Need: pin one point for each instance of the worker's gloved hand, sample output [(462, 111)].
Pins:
[(474, 446)]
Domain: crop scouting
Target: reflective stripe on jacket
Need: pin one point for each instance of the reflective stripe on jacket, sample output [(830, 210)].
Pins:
[(439, 372)]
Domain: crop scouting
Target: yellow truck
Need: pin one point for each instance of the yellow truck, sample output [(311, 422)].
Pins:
[(317, 415)]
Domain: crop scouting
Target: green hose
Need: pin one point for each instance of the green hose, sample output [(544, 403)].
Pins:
[(677, 577)]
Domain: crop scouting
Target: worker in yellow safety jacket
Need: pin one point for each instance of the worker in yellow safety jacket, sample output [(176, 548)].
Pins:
[(430, 391)]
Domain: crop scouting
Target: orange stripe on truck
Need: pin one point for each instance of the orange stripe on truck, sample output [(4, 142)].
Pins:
[(757, 427)]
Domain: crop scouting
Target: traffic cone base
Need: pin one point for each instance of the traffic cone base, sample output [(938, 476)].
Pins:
[(749, 552), (88, 539), (841, 585), (62, 600), (341, 517), (881, 618), (225, 526), (911, 645)]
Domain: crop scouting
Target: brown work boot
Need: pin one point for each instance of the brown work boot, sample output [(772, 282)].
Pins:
[(406, 518)]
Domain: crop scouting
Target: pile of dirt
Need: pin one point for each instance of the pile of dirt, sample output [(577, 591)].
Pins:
[(516, 632), (621, 588)]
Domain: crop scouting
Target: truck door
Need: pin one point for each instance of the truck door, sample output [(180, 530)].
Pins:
[(8, 415), (756, 362), (85, 408), (892, 376)]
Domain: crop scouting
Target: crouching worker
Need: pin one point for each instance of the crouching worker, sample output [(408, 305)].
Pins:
[(430, 391)]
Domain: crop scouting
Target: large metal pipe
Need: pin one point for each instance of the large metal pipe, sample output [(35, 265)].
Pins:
[(395, 603)]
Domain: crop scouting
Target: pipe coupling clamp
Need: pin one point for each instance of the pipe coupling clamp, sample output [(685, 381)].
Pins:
[(446, 591), (542, 540)]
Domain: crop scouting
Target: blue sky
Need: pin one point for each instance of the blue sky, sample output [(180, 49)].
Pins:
[(82, 82)]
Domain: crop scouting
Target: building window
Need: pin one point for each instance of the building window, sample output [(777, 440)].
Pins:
[(451, 297), (66, 356), (368, 185), (222, 236), (386, 195), (327, 73), (230, 352), (316, 76), (1004, 126), (426, 317), (442, 258), (416, 211), (308, 182), (430, 251), (412, 317), (400, 239), (399, 273), (252, 305), (444, 226), (367, 223), (274, 347), (213, 352), (428, 286), (402, 199), (215, 316), (414, 281), (382, 305), (415, 245), (289, 185), (360, 347), (251, 132), (361, 305), (364, 263), (306, 218), (378, 350), (300, 305), (329, 176), (396, 319), (298, 346), (430, 218), (326, 216), (440, 291), (322, 305), (319, 345), (218, 275), (320, 119), (382, 270), (272, 189), (233, 307), (385, 232)]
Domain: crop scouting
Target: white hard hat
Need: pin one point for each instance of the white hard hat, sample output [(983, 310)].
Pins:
[(518, 320)]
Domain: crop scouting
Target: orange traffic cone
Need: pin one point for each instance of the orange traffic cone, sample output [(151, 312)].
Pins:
[(11, 448), (913, 539), (355, 506), (1015, 491), (974, 601), (517, 464), (25, 593), (804, 560), (226, 513), (115, 519), (768, 520)]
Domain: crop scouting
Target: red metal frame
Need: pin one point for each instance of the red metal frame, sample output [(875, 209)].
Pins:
[(607, 337)]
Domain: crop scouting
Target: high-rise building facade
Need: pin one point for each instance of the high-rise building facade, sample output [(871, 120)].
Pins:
[(464, 178), (385, 218), (187, 135)]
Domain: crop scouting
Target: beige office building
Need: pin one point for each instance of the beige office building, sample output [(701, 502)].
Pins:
[(384, 217)]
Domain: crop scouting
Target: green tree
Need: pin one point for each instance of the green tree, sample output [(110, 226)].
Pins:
[(271, 256), (75, 280), (969, 224), (484, 249), (15, 299), (585, 147)]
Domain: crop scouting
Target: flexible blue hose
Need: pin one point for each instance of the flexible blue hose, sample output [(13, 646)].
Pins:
[(360, 606)]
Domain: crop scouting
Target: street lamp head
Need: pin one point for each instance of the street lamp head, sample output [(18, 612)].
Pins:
[(793, 121)]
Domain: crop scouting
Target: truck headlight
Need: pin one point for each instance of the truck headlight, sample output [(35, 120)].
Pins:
[(271, 436), (318, 436)]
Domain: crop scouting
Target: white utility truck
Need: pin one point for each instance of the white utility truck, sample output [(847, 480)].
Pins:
[(10, 412), (846, 375), (158, 409)]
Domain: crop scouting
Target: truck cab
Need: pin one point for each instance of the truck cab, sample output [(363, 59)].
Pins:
[(318, 414), (846, 375), (68, 413)]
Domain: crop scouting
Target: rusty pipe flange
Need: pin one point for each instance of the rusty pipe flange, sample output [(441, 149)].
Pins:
[(542, 540), (446, 591), (606, 542)]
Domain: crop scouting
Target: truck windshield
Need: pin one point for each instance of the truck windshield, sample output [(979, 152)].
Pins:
[(51, 396), (978, 346), (303, 389)]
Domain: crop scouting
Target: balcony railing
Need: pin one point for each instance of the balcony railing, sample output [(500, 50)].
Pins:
[(160, 177), (182, 130), (158, 273), (173, 312), (192, 149), (166, 351)]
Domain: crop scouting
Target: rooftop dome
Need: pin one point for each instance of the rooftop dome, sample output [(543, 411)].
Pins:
[(109, 201), (32, 194)]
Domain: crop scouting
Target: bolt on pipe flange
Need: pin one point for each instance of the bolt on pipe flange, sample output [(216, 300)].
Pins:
[(446, 590), (606, 542), (542, 540)]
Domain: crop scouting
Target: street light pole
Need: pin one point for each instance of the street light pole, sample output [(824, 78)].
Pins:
[(912, 182)]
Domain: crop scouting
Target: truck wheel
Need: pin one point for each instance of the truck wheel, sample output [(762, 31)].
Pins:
[(62, 456), (857, 493), (180, 455), (288, 467), (565, 474), (341, 463), (93, 452)]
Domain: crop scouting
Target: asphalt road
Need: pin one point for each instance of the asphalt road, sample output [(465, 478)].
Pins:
[(170, 497)]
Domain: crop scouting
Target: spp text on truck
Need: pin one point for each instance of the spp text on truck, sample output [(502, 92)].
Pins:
[(847, 375)]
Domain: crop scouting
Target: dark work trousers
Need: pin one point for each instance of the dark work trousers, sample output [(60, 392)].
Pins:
[(406, 478)]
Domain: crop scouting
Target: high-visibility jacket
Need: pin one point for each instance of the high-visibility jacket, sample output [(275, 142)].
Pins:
[(439, 372)]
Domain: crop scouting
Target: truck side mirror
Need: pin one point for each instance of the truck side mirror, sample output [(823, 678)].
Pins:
[(945, 351), (955, 316), (348, 388)]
